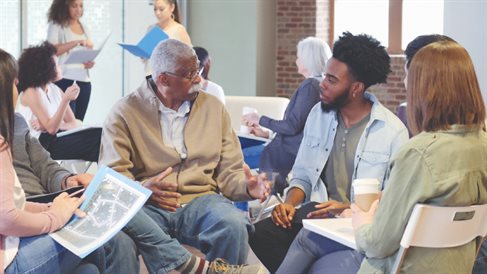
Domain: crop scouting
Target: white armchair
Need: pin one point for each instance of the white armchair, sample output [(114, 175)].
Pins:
[(273, 107)]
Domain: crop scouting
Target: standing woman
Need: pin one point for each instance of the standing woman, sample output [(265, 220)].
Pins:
[(279, 155), (167, 14), (67, 34), (25, 246)]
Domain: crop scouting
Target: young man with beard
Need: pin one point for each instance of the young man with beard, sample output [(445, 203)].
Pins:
[(349, 135)]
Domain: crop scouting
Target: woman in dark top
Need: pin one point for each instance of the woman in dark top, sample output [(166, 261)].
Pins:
[(280, 153)]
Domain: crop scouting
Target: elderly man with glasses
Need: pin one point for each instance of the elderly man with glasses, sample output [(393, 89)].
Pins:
[(179, 143)]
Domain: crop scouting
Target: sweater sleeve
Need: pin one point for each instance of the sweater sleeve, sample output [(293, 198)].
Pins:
[(16, 222), (307, 95), (410, 182), (54, 33)]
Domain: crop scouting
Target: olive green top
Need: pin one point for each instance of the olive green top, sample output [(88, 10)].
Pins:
[(444, 168)]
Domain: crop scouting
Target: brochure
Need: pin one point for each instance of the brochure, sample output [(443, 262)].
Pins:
[(145, 47), (247, 140), (111, 201), (84, 55), (74, 130)]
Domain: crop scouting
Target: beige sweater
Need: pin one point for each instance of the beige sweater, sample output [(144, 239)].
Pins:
[(132, 145)]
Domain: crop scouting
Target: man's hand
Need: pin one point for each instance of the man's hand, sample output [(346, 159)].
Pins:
[(163, 193), (360, 217), (257, 186), (83, 179), (283, 214), (327, 210)]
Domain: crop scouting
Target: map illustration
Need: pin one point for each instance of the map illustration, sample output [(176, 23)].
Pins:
[(112, 200)]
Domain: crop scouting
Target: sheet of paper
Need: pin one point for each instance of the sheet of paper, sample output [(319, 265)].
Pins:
[(337, 229), (81, 128), (84, 55), (111, 202)]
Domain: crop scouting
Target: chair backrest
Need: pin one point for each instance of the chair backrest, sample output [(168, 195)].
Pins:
[(459, 226), (273, 107)]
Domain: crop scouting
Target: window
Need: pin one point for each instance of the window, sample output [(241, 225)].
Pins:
[(10, 33), (358, 16), (421, 17), (393, 22)]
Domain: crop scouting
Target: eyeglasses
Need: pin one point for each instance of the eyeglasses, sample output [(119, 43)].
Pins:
[(190, 76)]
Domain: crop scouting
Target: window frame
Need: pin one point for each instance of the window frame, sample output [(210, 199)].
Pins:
[(395, 25)]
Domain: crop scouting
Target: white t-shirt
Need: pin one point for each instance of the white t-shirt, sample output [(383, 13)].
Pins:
[(50, 100), (215, 90)]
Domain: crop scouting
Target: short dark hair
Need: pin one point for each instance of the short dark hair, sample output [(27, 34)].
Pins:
[(8, 73), (420, 42), (36, 66), (366, 59), (202, 54)]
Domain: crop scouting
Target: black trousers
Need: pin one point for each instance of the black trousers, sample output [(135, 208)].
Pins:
[(270, 243), (84, 145), (80, 105)]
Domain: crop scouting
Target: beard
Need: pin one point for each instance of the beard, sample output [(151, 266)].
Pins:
[(335, 104)]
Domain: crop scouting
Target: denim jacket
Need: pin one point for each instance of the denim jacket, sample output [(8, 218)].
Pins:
[(383, 135)]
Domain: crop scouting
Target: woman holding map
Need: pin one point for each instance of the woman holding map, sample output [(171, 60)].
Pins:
[(24, 225)]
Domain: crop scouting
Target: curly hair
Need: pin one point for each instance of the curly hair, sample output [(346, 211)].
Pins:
[(59, 12), (37, 66), (8, 73), (366, 59)]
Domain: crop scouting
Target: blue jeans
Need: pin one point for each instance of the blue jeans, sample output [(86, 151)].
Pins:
[(41, 254), (313, 253), (481, 261), (160, 252), (210, 223), (121, 255)]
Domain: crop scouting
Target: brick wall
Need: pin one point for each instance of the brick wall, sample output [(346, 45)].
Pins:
[(393, 92), (297, 19)]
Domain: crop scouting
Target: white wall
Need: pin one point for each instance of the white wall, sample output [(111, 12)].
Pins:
[(240, 37), (227, 29), (466, 22)]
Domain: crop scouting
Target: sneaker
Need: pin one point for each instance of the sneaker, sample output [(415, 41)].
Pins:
[(220, 266)]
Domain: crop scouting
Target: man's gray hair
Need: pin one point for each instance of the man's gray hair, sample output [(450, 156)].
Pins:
[(313, 54), (167, 55)]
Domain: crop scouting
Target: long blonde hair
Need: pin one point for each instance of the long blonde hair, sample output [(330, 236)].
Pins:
[(443, 90)]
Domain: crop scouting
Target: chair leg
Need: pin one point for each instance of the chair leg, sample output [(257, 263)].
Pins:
[(399, 260)]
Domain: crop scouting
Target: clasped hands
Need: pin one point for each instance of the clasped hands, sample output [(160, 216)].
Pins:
[(164, 193)]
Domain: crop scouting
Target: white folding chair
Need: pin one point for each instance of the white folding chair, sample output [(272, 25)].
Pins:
[(459, 226)]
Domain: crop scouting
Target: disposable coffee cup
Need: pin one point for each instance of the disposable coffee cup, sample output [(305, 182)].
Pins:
[(365, 192), (246, 110)]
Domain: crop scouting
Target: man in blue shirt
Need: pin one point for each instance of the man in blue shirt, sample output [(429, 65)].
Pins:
[(349, 135)]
